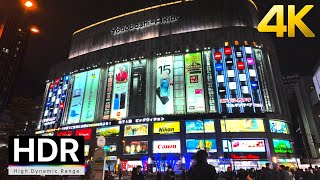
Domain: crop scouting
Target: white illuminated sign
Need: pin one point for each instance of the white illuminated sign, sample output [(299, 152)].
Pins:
[(172, 146)]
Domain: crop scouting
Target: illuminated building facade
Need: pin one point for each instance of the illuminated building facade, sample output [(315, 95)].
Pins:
[(162, 82)]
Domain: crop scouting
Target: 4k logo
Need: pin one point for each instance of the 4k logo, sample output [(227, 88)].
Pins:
[(294, 20)]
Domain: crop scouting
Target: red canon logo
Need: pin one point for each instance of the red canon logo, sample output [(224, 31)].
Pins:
[(167, 146)]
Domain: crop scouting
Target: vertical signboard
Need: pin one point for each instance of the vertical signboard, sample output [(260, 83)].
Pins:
[(120, 91), (107, 105), (138, 86), (90, 96), (210, 85), (77, 98), (67, 103), (164, 86), (179, 85), (194, 83), (265, 90)]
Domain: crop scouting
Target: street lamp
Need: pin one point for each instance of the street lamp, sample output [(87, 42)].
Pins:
[(28, 4), (34, 30)]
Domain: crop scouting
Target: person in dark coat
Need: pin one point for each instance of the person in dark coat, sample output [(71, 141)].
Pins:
[(267, 173), (159, 175), (201, 170), (169, 175)]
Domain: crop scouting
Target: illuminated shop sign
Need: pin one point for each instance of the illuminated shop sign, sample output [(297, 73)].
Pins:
[(170, 146), (49, 121), (207, 59), (136, 130), (282, 146), (143, 24), (245, 157), (108, 131), (84, 132), (242, 125), (166, 127), (136, 147), (48, 134), (86, 150), (244, 146), (107, 105), (196, 126), (64, 133), (277, 126), (194, 145)]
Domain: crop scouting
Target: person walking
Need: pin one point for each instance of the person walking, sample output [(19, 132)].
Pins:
[(201, 170), (267, 173)]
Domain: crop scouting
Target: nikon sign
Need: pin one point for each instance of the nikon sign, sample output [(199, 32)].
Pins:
[(143, 24), (166, 127)]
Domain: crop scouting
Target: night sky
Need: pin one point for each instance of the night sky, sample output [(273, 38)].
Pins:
[(58, 19)]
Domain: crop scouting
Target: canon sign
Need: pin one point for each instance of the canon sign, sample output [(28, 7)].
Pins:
[(172, 146)]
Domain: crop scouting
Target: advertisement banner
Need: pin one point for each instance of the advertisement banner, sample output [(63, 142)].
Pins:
[(207, 59), (90, 96), (277, 126), (120, 91), (109, 131), (84, 132), (166, 127), (242, 125), (282, 146), (110, 148), (170, 146), (194, 83), (164, 86), (136, 130), (196, 126), (77, 98), (136, 147), (194, 145), (107, 104), (64, 133), (179, 85), (244, 146), (138, 88)]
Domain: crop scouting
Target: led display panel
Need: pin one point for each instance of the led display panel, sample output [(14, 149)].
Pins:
[(194, 83), (109, 131), (282, 146), (135, 147), (244, 145), (169, 146), (136, 130), (242, 125), (194, 145), (197, 126), (164, 86), (166, 127), (90, 96), (277, 126), (77, 98), (120, 94)]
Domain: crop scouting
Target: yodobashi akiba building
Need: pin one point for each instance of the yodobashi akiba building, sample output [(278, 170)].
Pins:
[(162, 82)]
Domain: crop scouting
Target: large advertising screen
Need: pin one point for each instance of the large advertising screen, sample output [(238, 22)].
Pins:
[(166, 127), (194, 145), (277, 126), (109, 131), (136, 130), (197, 126), (179, 85), (77, 98), (90, 96), (164, 86), (121, 91), (242, 125), (108, 96), (282, 146), (136, 147), (244, 145), (169, 146), (194, 83)]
